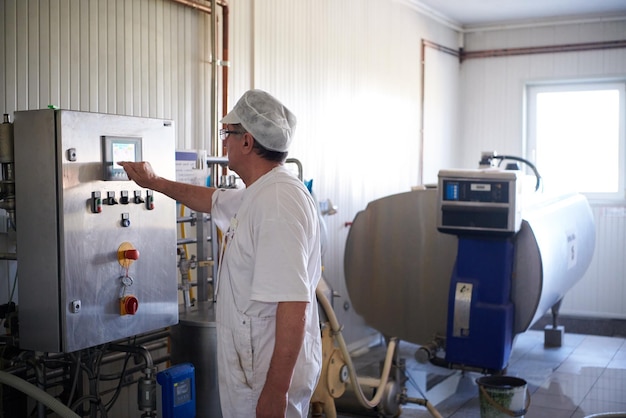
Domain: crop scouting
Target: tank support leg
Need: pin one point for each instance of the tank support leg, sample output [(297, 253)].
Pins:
[(553, 334)]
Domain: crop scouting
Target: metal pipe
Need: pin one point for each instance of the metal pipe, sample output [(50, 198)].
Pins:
[(549, 49), (420, 173), (214, 144), (441, 48), (298, 165), (444, 49), (225, 57), (194, 5), (131, 370), (113, 357), (186, 219), (212, 160), (551, 23), (214, 83)]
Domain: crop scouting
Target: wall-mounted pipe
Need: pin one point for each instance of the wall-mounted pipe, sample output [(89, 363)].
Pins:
[(216, 150), (446, 50), (199, 6), (550, 49), (214, 146), (492, 53)]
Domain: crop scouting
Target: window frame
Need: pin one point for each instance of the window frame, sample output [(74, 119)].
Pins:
[(530, 135)]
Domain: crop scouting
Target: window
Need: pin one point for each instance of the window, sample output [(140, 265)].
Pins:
[(576, 136)]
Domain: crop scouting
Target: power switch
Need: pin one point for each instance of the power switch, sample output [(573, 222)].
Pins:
[(138, 199), (110, 200), (96, 202), (124, 197), (128, 305), (149, 200)]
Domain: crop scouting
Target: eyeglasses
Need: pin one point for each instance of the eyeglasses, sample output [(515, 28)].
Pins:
[(225, 132)]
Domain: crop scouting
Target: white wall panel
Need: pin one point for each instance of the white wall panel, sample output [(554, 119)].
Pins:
[(141, 58)]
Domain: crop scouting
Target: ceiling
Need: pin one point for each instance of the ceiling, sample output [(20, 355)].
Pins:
[(473, 13)]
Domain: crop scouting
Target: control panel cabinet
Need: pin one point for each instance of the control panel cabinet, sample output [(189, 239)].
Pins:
[(96, 252)]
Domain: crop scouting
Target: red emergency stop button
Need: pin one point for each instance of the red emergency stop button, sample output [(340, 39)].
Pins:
[(129, 305)]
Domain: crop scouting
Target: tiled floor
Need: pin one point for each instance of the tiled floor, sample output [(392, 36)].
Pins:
[(585, 376)]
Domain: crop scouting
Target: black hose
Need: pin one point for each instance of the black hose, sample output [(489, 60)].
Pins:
[(528, 163)]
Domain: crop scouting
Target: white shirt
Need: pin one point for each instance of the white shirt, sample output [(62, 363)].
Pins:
[(271, 255)]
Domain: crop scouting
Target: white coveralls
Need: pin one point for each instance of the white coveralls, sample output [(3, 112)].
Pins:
[(271, 255)]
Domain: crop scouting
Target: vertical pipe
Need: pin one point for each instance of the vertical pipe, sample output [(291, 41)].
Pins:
[(420, 174), (225, 57), (441, 48), (203, 294), (214, 83), (215, 148)]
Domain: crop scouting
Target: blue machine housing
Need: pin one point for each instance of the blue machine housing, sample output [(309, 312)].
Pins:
[(480, 311), (178, 391)]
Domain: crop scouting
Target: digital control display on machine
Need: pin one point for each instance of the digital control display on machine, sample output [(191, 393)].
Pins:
[(476, 191), (116, 149), (182, 392)]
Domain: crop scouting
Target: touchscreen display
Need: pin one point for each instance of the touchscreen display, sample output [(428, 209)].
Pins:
[(116, 149)]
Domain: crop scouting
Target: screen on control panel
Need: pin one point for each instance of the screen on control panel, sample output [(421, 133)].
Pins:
[(116, 149)]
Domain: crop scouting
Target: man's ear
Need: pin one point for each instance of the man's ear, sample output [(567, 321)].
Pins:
[(248, 141)]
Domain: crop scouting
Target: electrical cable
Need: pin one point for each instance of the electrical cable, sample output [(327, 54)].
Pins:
[(92, 400), (98, 369), (14, 286), (75, 379), (118, 389), (528, 163)]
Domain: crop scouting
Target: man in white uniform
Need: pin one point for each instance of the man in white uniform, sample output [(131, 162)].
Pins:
[(269, 344)]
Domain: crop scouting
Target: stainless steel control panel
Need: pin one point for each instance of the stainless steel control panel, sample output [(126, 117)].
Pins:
[(96, 252)]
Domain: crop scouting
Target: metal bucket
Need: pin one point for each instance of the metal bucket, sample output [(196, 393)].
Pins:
[(503, 396)]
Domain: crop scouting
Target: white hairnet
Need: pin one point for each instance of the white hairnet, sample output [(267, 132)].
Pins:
[(267, 119)]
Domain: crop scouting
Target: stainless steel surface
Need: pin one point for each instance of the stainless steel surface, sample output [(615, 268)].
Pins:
[(398, 266), (70, 278), (204, 248), (194, 340), (462, 304)]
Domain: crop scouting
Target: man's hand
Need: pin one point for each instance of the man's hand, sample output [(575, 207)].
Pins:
[(272, 403), (141, 173)]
